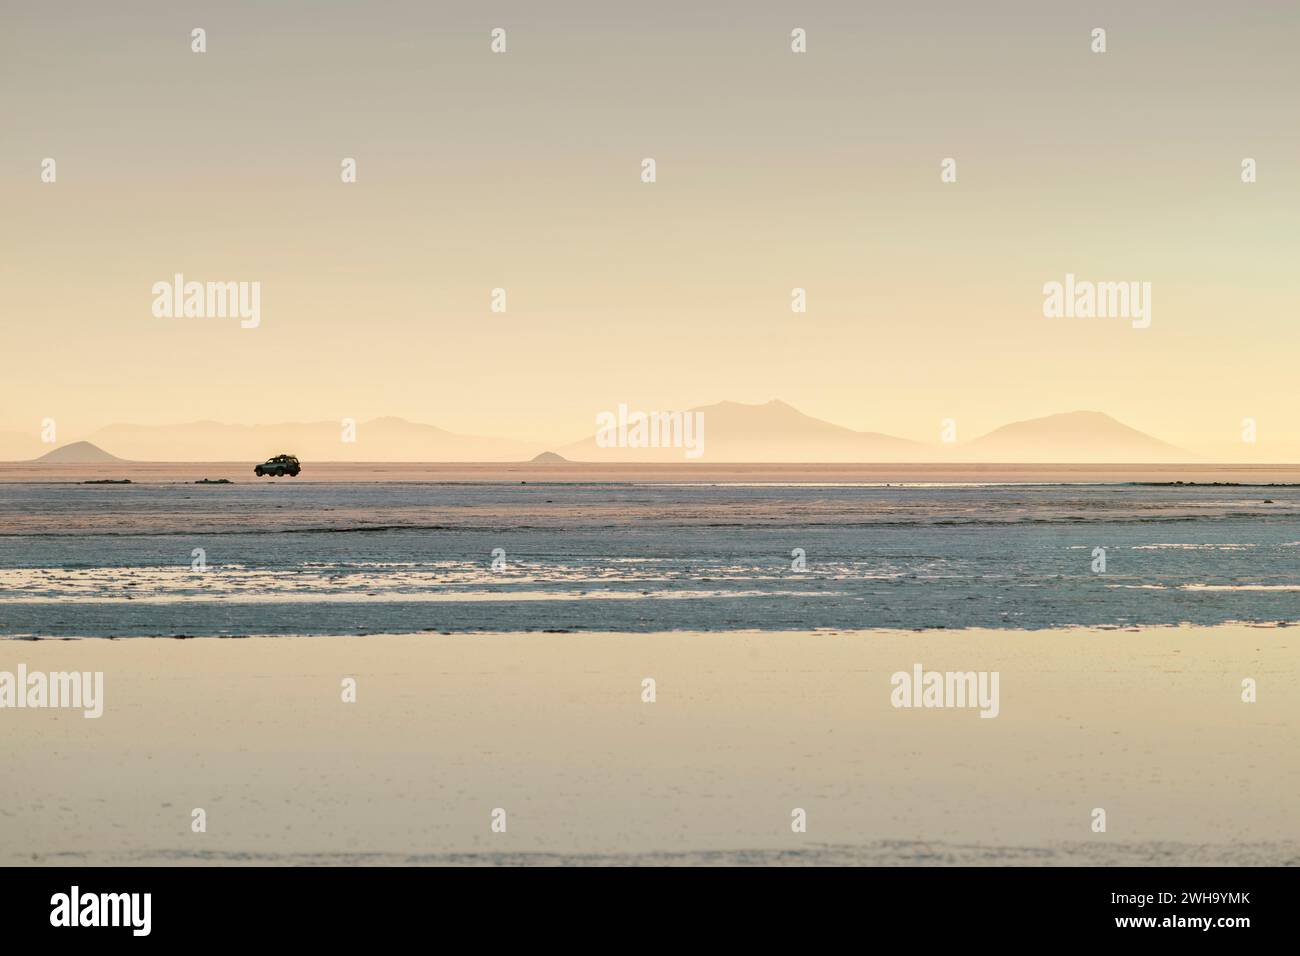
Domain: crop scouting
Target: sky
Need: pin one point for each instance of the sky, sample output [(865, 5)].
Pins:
[(775, 170)]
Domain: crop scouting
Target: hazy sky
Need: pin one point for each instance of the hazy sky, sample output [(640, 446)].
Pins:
[(775, 170)]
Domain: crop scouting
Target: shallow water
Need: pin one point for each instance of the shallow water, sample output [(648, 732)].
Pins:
[(362, 557)]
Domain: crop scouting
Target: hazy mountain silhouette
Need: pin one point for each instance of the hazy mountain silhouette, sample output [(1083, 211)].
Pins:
[(1070, 437), (78, 453), (773, 431), (733, 432), (381, 439)]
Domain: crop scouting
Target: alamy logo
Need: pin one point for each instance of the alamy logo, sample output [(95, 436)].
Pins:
[(1083, 299), (628, 429), (923, 688), (208, 300), (103, 909), (83, 690)]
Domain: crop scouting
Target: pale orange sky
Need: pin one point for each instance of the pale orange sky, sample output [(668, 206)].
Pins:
[(775, 170)]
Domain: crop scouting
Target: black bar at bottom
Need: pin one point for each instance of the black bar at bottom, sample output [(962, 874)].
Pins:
[(334, 906)]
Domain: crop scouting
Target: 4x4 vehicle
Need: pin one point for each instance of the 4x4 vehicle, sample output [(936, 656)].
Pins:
[(278, 467)]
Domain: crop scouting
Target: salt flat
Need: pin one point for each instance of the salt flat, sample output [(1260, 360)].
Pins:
[(747, 726)]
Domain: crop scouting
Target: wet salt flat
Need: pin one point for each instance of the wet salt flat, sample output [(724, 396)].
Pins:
[(404, 557), (746, 725)]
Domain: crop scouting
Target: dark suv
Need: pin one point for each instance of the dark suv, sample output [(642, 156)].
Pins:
[(278, 467)]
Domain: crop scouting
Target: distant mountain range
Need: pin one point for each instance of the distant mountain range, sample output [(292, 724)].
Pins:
[(773, 431), (381, 439), (1080, 437), (78, 453), (733, 432)]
